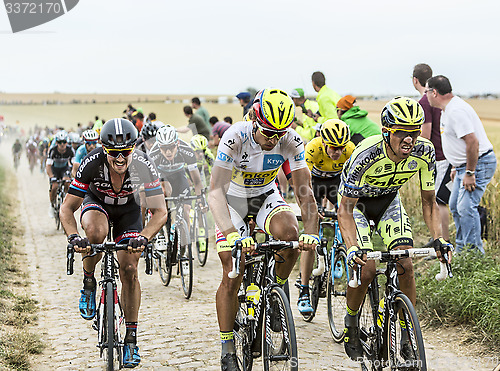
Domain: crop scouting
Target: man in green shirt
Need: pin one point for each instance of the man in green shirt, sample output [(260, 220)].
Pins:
[(304, 126), (327, 98), (200, 111), (360, 125), (196, 124)]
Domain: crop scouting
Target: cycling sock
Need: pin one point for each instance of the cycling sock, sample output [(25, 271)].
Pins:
[(227, 342), (351, 318), (131, 333), (304, 290), (89, 281), (280, 281)]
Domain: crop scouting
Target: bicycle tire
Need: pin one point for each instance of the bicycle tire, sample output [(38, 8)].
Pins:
[(279, 348), (200, 236), (185, 258), (110, 326), (336, 290), (408, 315), (370, 331), (242, 338), (59, 198), (165, 259)]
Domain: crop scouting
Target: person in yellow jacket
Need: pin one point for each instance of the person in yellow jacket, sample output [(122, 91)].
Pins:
[(304, 124), (327, 98)]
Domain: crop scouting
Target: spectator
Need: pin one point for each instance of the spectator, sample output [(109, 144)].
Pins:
[(218, 129), (138, 120), (196, 124), (467, 148), (245, 101), (151, 117), (327, 98), (432, 131), (228, 119), (97, 124), (200, 111), (360, 125), (304, 124)]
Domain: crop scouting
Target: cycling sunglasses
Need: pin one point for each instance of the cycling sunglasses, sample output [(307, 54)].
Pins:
[(333, 147), (61, 141), (403, 133), (115, 152), (91, 143), (169, 147), (270, 134)]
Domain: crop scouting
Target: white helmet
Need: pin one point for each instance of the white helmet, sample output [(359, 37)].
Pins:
[(90, 135), (61, 136), (166, 135), (74, 138)]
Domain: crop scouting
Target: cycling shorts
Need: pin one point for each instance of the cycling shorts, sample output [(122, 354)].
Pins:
[(126, 219), (61, 172), (179, 184), (260, 208), (325, 187), (390, 219)]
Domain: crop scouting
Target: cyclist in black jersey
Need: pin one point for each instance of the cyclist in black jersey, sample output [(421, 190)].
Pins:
[(148, 135), (171, 155), (58, 164), (107, 183), (370, 181)]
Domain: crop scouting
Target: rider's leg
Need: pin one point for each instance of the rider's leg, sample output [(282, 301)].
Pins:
[(53, 192), (95, 225), (406, 276), (131, 288)]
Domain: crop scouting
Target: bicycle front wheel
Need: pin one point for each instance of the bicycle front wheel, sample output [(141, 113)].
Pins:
[(370, 328), (242, 337), (185, 258), (279, 343), (110, 325), (338, 278), (59, 201), (404, 337), (200, 236), (164, 256)]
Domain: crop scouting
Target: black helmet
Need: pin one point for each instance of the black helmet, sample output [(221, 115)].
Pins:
[(149, 129), (118, 133)]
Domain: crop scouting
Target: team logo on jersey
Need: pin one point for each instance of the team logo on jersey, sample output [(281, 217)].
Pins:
[(412, 165), (230, 143), (272, 161), (223, 157), (244, 157), (300, 156)]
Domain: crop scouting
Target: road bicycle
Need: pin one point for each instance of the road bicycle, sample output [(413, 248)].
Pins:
[(389, 329), (60, 194), (199, 233), (264, 323), (172, 246), (109, 321)]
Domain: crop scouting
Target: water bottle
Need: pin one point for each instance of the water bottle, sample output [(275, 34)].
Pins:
[(253, 297), (380, 319), (202, 243), (339, 269)]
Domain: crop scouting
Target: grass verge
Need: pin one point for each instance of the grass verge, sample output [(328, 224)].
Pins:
[(17, 311)]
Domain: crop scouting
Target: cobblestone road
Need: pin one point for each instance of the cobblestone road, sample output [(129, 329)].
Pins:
[(174, 333)]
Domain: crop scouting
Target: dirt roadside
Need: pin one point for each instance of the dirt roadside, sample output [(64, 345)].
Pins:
[(174, 334)]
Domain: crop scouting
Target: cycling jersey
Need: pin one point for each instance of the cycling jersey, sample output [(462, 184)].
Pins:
[(60, 160), (320, 164), (81, 152), (93, 176), (369, 172), (254, 170), (184, 156)]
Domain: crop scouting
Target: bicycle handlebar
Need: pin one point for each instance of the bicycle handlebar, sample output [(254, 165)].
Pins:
[(183, 198), (106, 246), (262, 246), (445, 268)]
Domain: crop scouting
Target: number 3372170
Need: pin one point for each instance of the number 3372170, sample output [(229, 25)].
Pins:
[(33, 8)]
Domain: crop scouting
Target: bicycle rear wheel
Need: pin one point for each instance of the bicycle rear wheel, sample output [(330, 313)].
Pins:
[(279, 343), (242, 336), (404, 337), (200, 235), (338, 278), (110, 326), (185, 258), (164, 256)]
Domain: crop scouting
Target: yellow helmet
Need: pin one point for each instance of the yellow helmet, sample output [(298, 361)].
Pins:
[(274, 109), (402, 111), (335, 132), (199, 142)]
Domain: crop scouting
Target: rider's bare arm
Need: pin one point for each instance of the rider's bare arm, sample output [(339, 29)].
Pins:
[(158, 208), (195, 175), (70, 205), (346, 220), (74, 169), (219, 184), (301, 179), (431, 213)]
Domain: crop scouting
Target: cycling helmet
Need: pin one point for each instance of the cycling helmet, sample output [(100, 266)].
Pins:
[(335, 132), (274, 109), (118, 133), (199, 142), (166, 135), (61, 136), (402, 111), (74, 138), (149, 129), (90, 135)]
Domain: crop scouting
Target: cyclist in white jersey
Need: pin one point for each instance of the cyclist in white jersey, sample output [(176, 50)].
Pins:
[(243, 186)]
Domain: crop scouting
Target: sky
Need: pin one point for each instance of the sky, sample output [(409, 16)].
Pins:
[(222, 47)]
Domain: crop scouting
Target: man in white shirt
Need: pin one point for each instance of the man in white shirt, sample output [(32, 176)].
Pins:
[(467, 148)]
